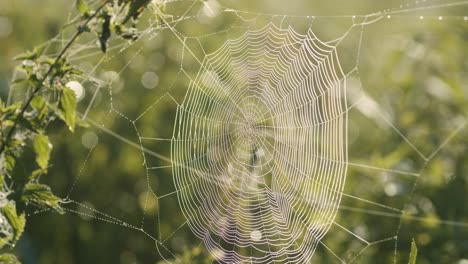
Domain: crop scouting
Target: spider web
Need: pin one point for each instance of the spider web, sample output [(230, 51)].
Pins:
[(256, 142), (257, 132)]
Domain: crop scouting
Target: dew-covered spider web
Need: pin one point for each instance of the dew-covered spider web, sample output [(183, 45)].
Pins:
[(250, 135)]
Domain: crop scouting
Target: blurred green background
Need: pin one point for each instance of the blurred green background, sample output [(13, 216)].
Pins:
[(414, 70)]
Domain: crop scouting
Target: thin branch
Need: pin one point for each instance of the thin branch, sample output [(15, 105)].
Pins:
[(40, 84)]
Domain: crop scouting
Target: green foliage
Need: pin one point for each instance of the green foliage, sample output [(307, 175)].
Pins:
[(118, 195), (8, 259), (10, 161), (42, 147), (83, 8), (31, 55), (23, 124), (39, 104), (413, 253), (41, 195), (16, 222), (67, 105), (135, 8), (7, 112)]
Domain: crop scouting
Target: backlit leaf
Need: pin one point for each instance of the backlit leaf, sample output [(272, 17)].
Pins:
[(7, 258), (67, 107), (82, 7), (31, 55), (40, 194), (42, 147), (16, 221)]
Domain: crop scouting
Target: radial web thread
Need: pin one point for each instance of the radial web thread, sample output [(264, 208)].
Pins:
[(259, 147)]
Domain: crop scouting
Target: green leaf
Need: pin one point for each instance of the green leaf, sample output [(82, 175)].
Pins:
[(26, 123), (4, 241), (28, 55), (14, 143), (413, 253), (39, 104), (82, 7), (35, 174), (48, 61), (41, 195), (74, 71), (10, 161), (7, 111), (16, 221), (82, 123), (67, 107), (12, 108), (62, 68), (31, 55), (7, 258), (42, 147)]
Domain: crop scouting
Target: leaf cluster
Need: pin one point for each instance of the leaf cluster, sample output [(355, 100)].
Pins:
[(25, 148), (119, 17)]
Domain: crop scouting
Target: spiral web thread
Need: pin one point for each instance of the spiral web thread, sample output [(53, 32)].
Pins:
[(259, 147)]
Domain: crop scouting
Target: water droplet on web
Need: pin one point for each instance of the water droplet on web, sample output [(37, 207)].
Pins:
[(217, 253), (255, 235)]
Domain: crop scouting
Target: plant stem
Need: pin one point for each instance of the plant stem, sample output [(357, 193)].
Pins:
[(40, 84)]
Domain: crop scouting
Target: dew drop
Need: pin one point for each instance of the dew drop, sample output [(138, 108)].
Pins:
[(255, 235)]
